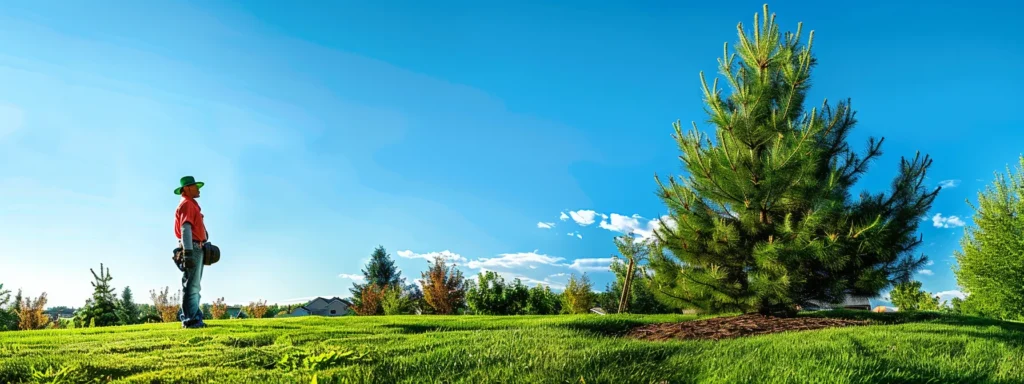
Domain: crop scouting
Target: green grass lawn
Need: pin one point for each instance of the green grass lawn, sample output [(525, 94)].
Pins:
[(530, 349)]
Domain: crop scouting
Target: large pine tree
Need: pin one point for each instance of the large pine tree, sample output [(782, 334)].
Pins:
[(380, 270), (990, 265), (764, 220)]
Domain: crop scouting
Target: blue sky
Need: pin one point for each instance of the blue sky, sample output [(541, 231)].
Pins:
[(323, 131)]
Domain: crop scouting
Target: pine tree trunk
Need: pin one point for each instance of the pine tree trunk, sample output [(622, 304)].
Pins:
[(626, 285)]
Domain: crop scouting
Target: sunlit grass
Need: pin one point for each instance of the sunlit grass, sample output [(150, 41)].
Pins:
[(528, 349)]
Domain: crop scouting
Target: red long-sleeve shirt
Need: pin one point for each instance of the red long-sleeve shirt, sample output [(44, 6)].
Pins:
[(189, 212)]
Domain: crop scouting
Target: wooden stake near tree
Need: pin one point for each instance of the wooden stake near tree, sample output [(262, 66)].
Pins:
[(634, 252)]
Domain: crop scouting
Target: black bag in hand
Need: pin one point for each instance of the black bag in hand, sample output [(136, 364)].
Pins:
[(211, 254), (179, 258)]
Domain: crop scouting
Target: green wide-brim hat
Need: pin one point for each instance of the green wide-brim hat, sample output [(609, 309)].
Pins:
[(187, 181)]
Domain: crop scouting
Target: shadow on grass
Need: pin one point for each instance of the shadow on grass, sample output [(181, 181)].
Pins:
[(924, 373), (917, 317), (604, 327), (413, 328)]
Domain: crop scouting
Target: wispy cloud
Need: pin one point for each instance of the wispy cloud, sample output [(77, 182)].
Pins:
[(446, 254), (635, 224), (949, 183), (930, 263), (514, 260), (949, 295), (583, 217), (591, 265), (926, 272), (526, 280), (352, 277), (577, 234), (946, 222), (563, 216), (544, 225)]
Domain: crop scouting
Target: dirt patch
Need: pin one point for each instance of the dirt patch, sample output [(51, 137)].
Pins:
[(735, 326)]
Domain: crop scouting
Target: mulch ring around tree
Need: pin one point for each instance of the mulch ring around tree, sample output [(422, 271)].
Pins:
[(735, 326)]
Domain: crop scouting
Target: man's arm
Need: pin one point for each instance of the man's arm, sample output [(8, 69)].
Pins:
[(186, 236)]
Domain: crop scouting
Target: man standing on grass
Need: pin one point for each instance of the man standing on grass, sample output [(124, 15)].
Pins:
[(191, 233)]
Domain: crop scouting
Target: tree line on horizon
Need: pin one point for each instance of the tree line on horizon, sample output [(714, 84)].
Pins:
[(764, 220), (106, 308)]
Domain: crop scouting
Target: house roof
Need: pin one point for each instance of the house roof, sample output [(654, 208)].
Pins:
[(331, 300)]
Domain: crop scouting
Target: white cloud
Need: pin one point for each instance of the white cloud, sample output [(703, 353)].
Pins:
[(514, 260), (446, 254), (946, 222), (12, 119), (544, 225), (591, 265), (352, 277), (559, 275), (620, 223), (949, 295), (930, 263), (644, 229), (926, 272), (949, 183), (583, 217), (577, 234), (563, 216)]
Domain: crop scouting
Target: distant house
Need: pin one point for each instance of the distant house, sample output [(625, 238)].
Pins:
[(237, 312), (850, 302), (323, 307)]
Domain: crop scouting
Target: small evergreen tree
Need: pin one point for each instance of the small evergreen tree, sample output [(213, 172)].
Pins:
[(16, 307), (764, 221), (127, 310), (380, 271), (101, 309), (989, 266)]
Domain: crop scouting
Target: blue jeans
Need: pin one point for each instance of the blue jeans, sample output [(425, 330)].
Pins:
[(191, 313)]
